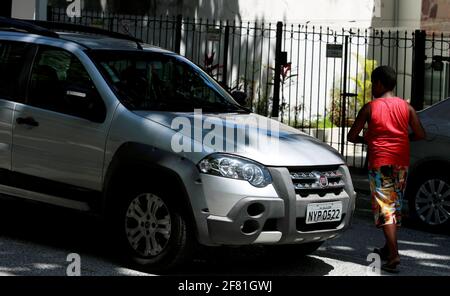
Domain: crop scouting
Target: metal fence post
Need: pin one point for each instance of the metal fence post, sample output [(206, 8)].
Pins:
[(226, 45), (49, 13), (111, 22), (344, 96), (278, 65), (178, 28), (418, 75)]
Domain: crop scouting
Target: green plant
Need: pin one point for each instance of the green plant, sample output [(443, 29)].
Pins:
[(364, 81), (363, 90), (322, 123), (286, 80), (257, 98)]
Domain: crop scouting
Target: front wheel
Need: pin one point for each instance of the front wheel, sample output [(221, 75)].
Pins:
[(152, 229)]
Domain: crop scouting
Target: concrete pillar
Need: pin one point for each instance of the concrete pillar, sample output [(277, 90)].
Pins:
[(410, 14), (29, 9), (41, 10), (23, 9)]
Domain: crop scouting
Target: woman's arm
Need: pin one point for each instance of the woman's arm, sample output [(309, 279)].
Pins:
[(363, 117), (416, 126)]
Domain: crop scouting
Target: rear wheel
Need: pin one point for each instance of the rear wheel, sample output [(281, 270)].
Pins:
[(429, 200)]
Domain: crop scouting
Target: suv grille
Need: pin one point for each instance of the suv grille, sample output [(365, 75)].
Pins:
[(319, 181)]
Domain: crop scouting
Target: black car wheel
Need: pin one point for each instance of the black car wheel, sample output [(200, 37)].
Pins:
[(152, 229), (429, 200)]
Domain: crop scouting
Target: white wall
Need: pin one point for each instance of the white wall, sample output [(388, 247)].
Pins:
[(323, 12), (387, 17), (347, 13), (333, 12), (320, 12), (409, 14)]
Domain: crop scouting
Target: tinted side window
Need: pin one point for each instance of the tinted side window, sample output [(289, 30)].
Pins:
[(13, 56), (59, 82)]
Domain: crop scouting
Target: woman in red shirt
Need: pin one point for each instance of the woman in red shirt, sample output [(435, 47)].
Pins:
[(388, 118)]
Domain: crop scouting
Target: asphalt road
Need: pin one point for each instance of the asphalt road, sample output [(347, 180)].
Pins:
[(36, 240)]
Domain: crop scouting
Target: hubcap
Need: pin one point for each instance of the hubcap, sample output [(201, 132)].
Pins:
[(148, 224), (433, 202)]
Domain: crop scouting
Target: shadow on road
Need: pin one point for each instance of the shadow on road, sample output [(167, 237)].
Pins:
[(35, 239), (423, 251), (254, 260)]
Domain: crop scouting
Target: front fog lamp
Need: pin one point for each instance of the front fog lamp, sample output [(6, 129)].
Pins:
[(236, 168)]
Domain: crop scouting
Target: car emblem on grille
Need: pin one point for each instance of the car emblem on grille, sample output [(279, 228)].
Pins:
[(321, 179)]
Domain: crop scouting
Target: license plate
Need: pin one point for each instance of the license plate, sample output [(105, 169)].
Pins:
[(324, 212)]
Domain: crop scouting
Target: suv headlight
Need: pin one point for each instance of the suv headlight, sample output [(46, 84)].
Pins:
[(235, 167)]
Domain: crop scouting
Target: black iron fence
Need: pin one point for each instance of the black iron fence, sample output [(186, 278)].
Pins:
[(239, 55), (313, 78), (326, 89)]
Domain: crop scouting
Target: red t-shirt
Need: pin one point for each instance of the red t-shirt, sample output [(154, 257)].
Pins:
[(387, 135)]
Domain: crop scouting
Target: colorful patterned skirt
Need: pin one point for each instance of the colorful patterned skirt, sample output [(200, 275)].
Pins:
[(387, 185)]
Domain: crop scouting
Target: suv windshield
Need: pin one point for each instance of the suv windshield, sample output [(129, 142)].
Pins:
[(162, 82)]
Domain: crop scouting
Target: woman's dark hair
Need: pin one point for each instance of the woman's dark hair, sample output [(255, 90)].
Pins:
[(386, 75)]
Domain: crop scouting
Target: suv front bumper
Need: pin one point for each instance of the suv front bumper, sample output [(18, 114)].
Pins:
[(280, 219)]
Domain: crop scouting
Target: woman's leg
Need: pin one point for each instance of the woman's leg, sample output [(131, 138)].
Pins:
[(390, 233)]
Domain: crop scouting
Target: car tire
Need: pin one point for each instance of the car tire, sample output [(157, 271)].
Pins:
[(429, 200), (152, 229)]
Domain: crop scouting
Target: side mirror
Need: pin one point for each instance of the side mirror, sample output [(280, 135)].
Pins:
[(240, 97), (85, 103)]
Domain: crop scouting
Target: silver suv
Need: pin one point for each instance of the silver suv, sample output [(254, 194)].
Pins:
[(97, 121)]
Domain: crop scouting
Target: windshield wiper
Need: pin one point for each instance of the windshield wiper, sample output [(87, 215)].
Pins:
[(240, 111)]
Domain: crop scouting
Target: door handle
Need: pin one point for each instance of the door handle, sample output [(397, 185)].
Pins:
[(27, 121)]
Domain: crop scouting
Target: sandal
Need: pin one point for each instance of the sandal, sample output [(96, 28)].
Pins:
[(391, 267)]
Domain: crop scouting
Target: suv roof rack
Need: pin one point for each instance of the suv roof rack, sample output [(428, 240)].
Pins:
[(82, 29), (10, 23), (46, 28)]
